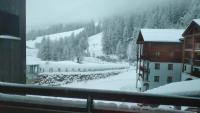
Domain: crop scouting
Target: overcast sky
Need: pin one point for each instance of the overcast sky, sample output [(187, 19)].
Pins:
[(41, 13)]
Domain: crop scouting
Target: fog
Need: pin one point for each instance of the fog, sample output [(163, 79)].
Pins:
[(41, 13)]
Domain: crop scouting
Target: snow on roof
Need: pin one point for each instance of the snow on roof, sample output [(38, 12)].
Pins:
[(197, 21), (9, 37), (162, 35), (184, 88)]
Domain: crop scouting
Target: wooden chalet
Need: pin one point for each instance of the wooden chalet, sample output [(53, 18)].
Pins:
[(191, 49), (159, 57)]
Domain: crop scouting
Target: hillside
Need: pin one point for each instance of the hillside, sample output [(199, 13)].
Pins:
[(95, 45), (57, 36), (94, 42)]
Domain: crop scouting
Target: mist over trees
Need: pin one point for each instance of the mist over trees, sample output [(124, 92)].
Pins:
[(73, 47), (31, 35), (120, 31)]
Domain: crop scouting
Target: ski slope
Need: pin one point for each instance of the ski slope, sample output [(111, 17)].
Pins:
[(57, 36), (95, 45)]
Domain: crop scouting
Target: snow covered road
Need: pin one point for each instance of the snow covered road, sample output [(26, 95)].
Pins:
[(125, 81)]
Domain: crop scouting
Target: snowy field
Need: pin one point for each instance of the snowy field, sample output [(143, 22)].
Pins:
[(125, 81), (100, 74)]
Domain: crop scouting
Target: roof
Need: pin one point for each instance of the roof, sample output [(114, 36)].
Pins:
[(197, 21), (9, 37), (162, 35)]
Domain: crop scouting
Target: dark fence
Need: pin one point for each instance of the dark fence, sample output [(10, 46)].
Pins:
[(19, 98)]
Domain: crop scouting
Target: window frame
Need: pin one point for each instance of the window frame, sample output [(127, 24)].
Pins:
[(157, 66), (156, 78), (170, 67)]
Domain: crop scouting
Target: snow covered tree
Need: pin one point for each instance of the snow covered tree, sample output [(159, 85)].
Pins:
[(44, 49), (132, 50), (120, 50), (192, 12)]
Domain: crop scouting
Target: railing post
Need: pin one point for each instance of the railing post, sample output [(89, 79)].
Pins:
[(89, 104)]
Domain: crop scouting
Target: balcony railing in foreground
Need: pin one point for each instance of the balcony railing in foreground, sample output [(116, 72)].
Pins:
[(19, 98)]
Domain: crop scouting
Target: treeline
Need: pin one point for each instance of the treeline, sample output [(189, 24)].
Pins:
[(31, 35), (73, 47), (119, 31)]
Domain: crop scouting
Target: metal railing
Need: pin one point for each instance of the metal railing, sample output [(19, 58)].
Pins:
[(14, 99)]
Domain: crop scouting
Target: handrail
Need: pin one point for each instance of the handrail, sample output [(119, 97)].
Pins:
[(90, 95)]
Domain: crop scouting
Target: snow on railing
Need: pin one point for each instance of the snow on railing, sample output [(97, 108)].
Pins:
[(16, 97)]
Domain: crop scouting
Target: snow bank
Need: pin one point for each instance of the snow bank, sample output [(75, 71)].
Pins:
[(184, 88)]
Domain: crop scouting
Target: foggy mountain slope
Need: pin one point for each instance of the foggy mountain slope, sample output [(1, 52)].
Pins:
[(95, 45), (57, 36), (94, 42)]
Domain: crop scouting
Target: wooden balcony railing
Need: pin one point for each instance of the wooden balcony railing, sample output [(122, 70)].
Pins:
[(144, 69), (197, 62), (14, 99)]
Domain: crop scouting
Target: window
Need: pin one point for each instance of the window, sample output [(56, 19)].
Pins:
[(156, 78), (59, 70), (157, 53), (146, 85), (170, 66), (157, 66), (169, 79), (185, 68)]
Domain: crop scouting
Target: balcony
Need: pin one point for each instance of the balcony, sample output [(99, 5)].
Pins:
[(197, 62), (197, 47), (144, 69), (196, 71), (188, 47), (14, 100)]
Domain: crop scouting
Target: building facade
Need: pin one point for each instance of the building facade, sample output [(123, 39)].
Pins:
[(191, 51), (159, 57), (12, 41)]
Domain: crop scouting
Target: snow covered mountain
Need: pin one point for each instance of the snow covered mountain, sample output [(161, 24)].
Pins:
[(57, 36), (95, 45)]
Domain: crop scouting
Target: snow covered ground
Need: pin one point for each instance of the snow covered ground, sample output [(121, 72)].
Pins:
[(184, 88), (122, 82)]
